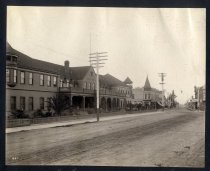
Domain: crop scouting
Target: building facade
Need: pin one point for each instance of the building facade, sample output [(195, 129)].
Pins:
[(120, 91), (146, 95), (200, 97), (31, 83)]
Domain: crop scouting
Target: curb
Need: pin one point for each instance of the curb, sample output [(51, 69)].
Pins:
[(75, 122)]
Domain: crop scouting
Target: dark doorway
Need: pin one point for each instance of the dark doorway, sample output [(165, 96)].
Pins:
[(109, 104), (89, 102), (103, 103), (114, 103), (77, 101)]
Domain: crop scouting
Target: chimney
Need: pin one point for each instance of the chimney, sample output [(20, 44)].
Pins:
[(66, 65)]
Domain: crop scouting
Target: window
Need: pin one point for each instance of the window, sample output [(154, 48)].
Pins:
[(14, 58), (48, 81), (93, 86), (7, 75), (67, 83), (145, 96), (41, 80), (48, 103), (85, 85), (30, 104), (15, 76), (8, 58), (22, 103), (74, 84), (91, 73), (89, 85), (30, 78), (13, 103), (41, 101), (54, 81), (22, 77), (61, 83)]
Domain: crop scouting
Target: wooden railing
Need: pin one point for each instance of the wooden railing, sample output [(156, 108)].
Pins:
[(89, 91)]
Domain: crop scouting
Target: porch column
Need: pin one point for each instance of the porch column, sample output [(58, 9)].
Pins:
[(84, 103), (71, 100), (106, 104), (111, 104)]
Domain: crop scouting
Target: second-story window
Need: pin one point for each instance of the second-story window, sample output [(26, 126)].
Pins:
[(61, 83), (41, 80), (48, 81), (7, 75), (54, 81), (93, 86), (85, 85), (30, 78), (15, 76), (67, 83), (89, 85), (145, 96), (22, 77)]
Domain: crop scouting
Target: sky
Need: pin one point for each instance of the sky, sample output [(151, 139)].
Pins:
[(139, 42)]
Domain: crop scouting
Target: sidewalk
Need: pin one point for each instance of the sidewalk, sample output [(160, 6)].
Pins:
[(74, 122)]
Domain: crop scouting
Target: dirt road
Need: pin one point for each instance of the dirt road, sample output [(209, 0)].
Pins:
[(171, 138)]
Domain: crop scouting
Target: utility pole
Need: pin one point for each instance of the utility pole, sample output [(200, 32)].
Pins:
[(96, 60), (162, 75)]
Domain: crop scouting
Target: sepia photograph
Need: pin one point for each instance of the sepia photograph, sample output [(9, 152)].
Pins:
[(105, 86)]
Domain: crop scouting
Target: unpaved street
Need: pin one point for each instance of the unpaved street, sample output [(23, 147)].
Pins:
[(170, 138)]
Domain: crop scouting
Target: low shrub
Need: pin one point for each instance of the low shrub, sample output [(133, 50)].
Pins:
[(19, 114), (47, 114), (38, 113), (91, 111)]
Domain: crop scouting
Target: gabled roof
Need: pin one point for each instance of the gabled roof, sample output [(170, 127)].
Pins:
[(78, 73), (147, 84), (26, 62), (128, 81), (9, 47), (110, 80)]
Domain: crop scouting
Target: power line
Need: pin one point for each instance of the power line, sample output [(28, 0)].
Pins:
[(97, 58), (162, 76)]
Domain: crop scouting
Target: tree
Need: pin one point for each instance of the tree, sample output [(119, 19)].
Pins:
[(59, 103)]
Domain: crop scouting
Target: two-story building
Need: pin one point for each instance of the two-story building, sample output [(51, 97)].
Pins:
[(115, 94), (146, 95), (31, 83)]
